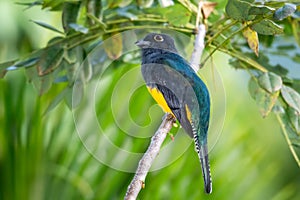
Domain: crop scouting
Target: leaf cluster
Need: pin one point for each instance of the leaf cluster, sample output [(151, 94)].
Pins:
[(246, 27)]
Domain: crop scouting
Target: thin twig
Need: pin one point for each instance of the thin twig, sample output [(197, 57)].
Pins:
[(146, 161)]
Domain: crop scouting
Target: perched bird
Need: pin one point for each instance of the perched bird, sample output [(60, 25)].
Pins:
[(178, 90)]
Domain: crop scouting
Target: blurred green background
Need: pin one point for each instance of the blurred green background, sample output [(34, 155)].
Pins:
[(42, 157)]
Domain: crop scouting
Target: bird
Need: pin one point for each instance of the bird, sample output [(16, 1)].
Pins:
[(177, 88)]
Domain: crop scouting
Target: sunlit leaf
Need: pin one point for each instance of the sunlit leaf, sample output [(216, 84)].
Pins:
[(264, 100), (284, 11), (294, 117), (166, 3), (144, 3), (267, 27), (296, 30), (260, 10), (79, 28), (270, 82), (252, 39), (113, 46), (48, 26), (118, 3), (239, 10), (178, 15), (291, 97)]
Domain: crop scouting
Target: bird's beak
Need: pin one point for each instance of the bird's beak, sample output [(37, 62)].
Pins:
[(142, 43)]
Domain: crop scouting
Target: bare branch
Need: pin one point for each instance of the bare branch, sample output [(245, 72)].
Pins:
[(145, 163), (198, 48)]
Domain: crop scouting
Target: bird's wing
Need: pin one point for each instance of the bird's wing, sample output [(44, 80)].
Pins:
[(172, 101)]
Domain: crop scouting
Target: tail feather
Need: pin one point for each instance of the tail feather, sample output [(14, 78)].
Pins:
[(203, 156)]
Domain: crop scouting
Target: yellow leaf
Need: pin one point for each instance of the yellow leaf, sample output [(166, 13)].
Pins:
[(207, 8), (113, 46), (252, 39)]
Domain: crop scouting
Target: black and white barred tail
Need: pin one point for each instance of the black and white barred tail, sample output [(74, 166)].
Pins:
[(203, 156)]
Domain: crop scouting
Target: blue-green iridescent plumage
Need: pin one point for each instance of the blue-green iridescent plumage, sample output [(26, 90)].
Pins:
[(164, 69)]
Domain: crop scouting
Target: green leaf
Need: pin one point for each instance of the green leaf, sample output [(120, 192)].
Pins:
[(44, 84), (56, 101), (47, 26), (270, 82), (30, 4), (178, 15), (69, 14), (144, 3), (50, 59), (28, 62), (260, 10), (296, 58), (125, 12), (79, 28), (239, 10), (290, 135), (285, 11), (296, 30), (267, 27), (291, 97), (166, 3), (118, 3), (71, 100), (5, 65), (87, 70), (294, 117), (53, 5), (264, 100)]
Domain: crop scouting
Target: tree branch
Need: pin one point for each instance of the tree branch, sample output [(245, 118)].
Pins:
[(198, 48), (145, 163)]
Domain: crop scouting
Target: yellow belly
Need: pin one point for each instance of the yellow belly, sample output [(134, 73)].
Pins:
[(159, 98)]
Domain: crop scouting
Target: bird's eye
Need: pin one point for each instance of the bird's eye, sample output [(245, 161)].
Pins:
[(158, 38)]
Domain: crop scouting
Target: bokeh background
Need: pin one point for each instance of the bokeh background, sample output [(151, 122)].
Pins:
[(43, 157)]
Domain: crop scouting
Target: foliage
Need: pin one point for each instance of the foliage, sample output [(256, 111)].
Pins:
[(252, 33)]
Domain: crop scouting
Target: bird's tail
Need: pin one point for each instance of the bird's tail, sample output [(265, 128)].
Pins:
[(203, 156)]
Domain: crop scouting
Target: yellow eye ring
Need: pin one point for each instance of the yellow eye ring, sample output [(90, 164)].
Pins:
[(158, 38)]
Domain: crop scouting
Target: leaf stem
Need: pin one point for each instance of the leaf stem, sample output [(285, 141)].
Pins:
[(243, 58), (288, 140), (222, 43), (221, 31)]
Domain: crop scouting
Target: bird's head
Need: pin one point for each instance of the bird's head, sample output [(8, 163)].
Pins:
[(157, 41)]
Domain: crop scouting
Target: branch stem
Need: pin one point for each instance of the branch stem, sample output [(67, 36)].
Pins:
[(146, 161)]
